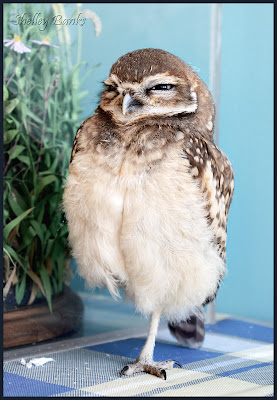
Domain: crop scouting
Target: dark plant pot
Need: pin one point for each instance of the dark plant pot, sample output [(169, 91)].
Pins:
[(9, 302), (34, 323)]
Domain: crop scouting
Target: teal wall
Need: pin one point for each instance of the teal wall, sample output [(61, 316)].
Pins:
[(246, 119), (246, 135)]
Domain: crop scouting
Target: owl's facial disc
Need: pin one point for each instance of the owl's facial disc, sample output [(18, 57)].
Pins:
[(156, 96)]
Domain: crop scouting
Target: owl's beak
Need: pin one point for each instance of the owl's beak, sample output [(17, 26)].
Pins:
[(126, 103), (130, 104)]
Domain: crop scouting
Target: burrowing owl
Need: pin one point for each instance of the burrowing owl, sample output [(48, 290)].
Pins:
[(148, 193)]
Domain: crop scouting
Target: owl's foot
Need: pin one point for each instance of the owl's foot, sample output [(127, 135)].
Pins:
[(151, 367)]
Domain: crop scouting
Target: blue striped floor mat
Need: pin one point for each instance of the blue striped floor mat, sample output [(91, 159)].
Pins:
[(236, 360)]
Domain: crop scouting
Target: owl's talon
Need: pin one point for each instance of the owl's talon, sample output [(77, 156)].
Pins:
[(123, 370), (177, 363), (151, 367)]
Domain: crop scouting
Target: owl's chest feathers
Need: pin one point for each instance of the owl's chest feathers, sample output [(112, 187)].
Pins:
[(139, 173), (133, 152), (143, 219), (138, 163)]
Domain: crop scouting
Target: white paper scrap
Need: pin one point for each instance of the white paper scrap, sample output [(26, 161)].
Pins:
[(38, 362)]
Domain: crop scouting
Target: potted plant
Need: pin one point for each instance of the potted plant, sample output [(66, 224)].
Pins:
[(41, 108)]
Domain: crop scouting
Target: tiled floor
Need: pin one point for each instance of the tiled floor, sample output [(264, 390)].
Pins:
[(236, 360)]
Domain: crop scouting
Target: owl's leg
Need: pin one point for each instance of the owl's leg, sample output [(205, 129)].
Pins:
[(144, 362)]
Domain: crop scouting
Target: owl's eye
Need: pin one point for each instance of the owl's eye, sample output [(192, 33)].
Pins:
[(163, 86)]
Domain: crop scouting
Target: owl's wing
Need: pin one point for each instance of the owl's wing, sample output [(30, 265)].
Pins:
[(75, 146), (214, 172)]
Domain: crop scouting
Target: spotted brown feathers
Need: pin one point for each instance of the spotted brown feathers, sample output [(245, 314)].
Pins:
[(212, 169)]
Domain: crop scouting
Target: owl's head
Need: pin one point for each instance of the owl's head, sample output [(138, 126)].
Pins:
[(152, 83)]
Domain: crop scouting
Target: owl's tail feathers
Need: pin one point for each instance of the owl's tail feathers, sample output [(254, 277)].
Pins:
[(190, 333)]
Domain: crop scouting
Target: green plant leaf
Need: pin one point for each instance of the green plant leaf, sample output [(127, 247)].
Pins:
[(54, 165), (44, 182), (27, 238), (5, 93), (23, 109), (45, 71), (10, 135), (35, 278), (21, 202), (17, 151), (47, 286), (18, 69), (24, 159), (7, 63), (33, 116), (14, 206), (40, 204), (47, 159), (38, 230), (54, 284), (30, 158), (11, 104), (12, 254), (10, 257), (49, 246), (41, 213), (20, 289), (11, 119), (21, 83), (8, 228)]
